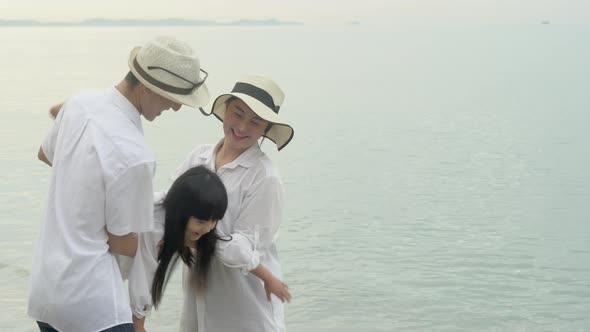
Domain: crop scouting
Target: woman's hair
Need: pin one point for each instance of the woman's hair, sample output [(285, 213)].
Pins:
[(196, 193)]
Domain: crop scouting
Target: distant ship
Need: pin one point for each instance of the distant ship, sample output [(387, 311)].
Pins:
[(545, 22)]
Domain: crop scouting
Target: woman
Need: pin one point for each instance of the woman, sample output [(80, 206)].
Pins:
[(235, 299)]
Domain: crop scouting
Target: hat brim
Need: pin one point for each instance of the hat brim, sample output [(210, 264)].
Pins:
[(198, 98), (280, 133)]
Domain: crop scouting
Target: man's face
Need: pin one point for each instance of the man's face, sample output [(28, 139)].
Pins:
[(152, 105)]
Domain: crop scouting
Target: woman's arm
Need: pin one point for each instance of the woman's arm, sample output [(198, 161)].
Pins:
[(272, 284), (255, 230)]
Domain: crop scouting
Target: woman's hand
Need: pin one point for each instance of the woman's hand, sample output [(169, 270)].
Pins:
[(272, 284), (278, 288)]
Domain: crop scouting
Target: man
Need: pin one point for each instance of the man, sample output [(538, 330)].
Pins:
[(100, 191)]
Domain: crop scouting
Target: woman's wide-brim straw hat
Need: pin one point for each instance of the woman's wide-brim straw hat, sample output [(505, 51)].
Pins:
[(171, 69), (265, 98)]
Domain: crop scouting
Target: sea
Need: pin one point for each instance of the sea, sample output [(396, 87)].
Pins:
[(438, 178)]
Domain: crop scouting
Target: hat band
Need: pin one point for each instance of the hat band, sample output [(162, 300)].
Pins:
[(163, 86), (256, 93)]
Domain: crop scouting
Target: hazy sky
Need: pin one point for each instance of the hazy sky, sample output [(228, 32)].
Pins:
[(307, 11)]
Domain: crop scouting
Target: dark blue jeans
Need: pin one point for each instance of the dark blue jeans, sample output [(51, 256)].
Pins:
[(44, 327)]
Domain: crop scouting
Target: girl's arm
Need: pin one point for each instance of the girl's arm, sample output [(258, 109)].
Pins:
[(138, 324), (144, 265)]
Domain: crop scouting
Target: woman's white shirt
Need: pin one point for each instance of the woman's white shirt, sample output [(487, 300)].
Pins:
[(234, 299)]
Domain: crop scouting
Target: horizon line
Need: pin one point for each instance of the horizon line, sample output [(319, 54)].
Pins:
[(152, 22)]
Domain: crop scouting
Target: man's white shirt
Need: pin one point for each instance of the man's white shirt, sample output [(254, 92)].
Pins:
[(101, 180)]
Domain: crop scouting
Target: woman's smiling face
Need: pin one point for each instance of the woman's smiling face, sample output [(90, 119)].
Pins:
[(241, 126)]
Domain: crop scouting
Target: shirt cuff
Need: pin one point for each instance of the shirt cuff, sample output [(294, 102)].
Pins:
[(239, 253), (142, 311), (254, 262)]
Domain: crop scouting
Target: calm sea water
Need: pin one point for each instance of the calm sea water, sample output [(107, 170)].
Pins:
[(439, 178)]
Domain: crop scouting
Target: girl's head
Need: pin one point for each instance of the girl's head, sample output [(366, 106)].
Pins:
[(194, 204)]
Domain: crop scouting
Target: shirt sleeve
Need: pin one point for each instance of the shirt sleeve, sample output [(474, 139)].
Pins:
[(129, 201), (256, 227), (141, 273), (189, 316), (144, 265)]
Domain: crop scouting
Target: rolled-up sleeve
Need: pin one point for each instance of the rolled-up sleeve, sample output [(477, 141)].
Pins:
[(256, 227), (129, 200), (144, 265)]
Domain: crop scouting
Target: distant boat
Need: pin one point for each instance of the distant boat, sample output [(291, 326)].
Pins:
[(545, 22)]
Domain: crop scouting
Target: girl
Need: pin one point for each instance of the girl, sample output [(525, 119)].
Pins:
[(185, 222), (193, 205)]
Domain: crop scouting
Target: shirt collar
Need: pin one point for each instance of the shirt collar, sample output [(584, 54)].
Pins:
[(246, 159), (127, 108)]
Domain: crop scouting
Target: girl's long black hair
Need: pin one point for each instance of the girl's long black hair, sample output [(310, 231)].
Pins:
[(196, 193)]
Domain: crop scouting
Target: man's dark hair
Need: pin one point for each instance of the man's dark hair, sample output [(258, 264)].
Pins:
[(131, 79)]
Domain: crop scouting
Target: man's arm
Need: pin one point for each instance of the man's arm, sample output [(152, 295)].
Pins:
[(129, 207), (125, 245), (42, 157), (53, 112)]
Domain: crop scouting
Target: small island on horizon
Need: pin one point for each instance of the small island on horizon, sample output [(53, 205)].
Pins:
[(102, 22)]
